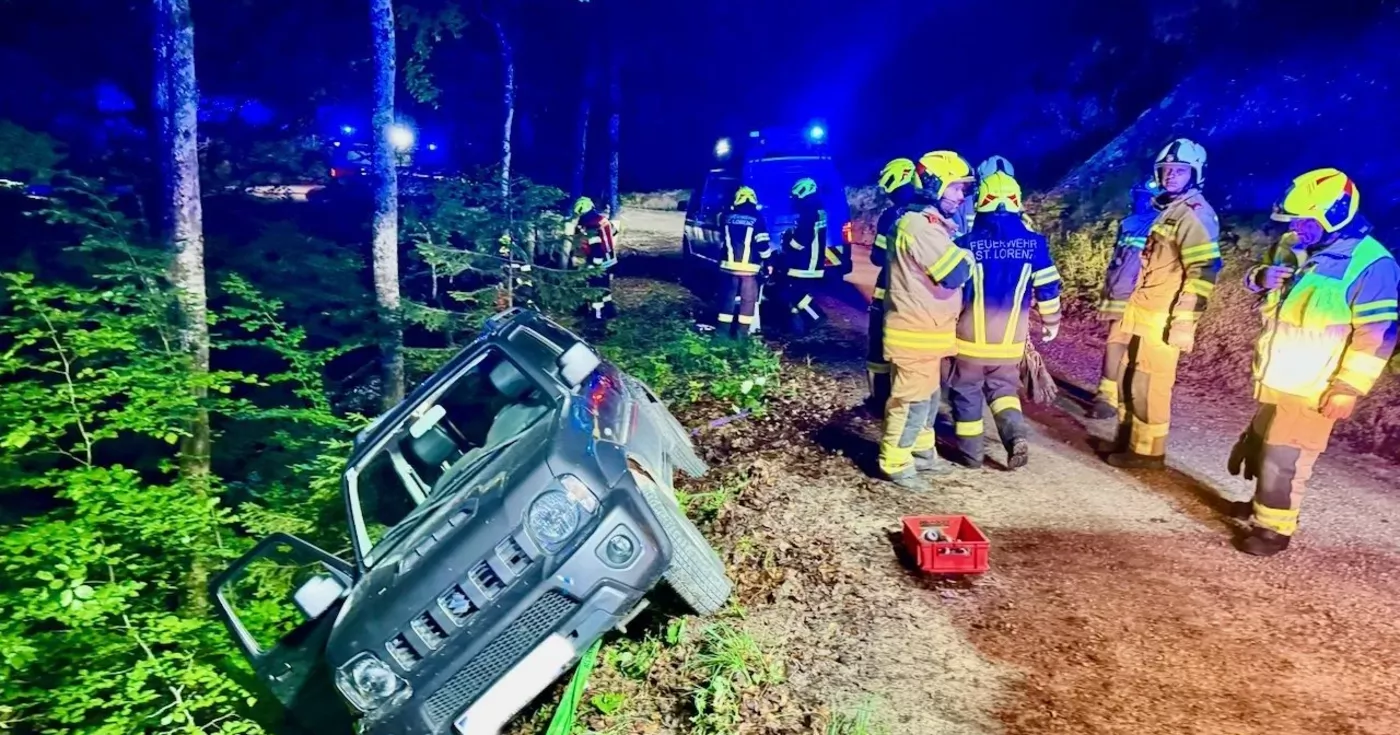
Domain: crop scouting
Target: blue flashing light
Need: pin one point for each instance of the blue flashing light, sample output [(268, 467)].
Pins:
[(754, 133), (816, 133), (722, 148), (432, 146), (347, 129)]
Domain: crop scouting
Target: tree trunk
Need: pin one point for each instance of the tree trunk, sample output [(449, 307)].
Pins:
[(385, 227), (585, 110), (182, 229), (508, 99), (615, 110)]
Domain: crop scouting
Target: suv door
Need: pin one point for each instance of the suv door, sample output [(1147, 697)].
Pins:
[(279, 602)]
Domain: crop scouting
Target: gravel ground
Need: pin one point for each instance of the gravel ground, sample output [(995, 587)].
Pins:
[(1115, 603)]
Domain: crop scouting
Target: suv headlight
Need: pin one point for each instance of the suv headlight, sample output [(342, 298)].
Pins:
[(555, 515), (369, 683)]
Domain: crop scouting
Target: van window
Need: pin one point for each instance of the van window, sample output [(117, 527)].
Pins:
[(719, 192)]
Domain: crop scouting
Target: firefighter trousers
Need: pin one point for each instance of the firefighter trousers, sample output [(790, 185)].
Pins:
[(1281, 447), (1147, 372), (600, 305), (738, 302), (909, 412), (800, 311), (877, 368), (1112, 373), (969, 384)]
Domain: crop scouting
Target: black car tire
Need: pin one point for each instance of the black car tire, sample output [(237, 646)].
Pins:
[(696, 572)]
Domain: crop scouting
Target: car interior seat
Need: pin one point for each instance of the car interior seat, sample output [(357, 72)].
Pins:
[(525, 404), (433, 452)]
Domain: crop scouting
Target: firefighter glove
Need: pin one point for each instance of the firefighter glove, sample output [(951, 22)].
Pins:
[(1338, 403), (1048, 332), (1182, 336), (1274, 276)]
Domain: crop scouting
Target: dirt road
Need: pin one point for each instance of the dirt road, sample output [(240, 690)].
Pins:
[(1115, 604)]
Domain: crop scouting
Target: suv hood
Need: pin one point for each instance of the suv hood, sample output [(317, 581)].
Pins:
[(463, 529)]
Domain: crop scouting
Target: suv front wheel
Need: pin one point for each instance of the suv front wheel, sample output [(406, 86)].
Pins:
[(696, 572)]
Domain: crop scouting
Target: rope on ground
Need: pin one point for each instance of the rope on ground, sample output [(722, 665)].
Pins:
[(566, 714)]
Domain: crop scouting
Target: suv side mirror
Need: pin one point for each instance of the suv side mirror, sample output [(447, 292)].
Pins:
[(577, 363)]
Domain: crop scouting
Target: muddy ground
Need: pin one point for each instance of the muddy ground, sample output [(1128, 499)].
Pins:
[(1115, 601)]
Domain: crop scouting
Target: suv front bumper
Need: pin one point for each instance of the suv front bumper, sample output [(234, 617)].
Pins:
[(538, 636)]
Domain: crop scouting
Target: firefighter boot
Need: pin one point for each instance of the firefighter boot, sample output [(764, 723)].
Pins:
[(1264, 542), (929, 463), (1135, 461), (1011, 426)]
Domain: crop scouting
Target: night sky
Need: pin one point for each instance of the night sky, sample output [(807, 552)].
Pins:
[(887, 77)]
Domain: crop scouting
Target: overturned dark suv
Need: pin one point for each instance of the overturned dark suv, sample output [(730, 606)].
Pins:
[(512, 510)]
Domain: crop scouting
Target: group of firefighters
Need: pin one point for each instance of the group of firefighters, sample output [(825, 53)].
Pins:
[(960, 267)]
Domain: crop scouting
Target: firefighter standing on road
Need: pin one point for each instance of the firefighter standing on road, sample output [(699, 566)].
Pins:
[(1329, 313), (926, 274), (595, 248), (1119, 282), (899, 183), (746, 251), (804, 260), (1179, 266), (1013, 265)]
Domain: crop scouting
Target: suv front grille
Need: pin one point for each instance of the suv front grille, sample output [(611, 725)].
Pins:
[(457, 605), (518, 639), (487, 579), (430, 631), (402, 652)]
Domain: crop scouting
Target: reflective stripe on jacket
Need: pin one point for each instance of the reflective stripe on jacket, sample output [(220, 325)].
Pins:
[(1125, 264), (926, 274), (884, 236), (593, 237), (1012, 264), (746, 241), (1334, 321), (1179, 266)]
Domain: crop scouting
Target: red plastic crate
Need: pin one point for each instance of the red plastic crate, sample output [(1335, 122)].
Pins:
[(961, 547)]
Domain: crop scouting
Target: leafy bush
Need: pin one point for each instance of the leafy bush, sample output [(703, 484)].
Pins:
[(663, 351)]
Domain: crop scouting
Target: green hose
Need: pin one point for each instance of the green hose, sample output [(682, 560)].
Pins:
[(566, 714)]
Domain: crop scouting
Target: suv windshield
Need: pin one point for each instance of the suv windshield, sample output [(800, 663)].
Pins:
[(438, 446)]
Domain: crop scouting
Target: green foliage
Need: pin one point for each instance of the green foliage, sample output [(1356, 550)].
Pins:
[(681, 365), (101, 619), (427, 27), (27, 154), (731, 665), (473, 244)]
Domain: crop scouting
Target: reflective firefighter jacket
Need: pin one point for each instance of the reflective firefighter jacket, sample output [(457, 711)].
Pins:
[(746, 241), (926, 275), (804, 246), (1334, 321), (593, 240), (1012, 265), (1179, 266), (1125, 265), (884, 236)]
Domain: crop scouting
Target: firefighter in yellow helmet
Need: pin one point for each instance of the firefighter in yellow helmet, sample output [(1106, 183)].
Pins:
[(1329, 327), (922, 302), (898, 181), (1013, 268), (747, 247), (803, 260), (1180, 263)]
